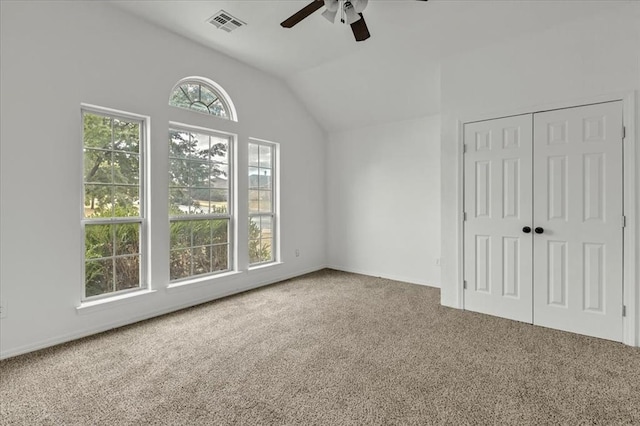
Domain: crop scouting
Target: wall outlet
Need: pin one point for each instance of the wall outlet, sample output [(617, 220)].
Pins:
[(437, 261), (3, 309), (297, 252)]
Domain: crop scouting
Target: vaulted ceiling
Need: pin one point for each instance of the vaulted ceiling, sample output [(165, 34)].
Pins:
[(392, 76)]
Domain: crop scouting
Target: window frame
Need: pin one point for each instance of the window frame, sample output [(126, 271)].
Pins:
[(213, 87), (274, 213), (142, 219), (230, 215)]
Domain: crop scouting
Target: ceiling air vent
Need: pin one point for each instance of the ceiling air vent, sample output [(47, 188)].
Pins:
[(224, 21)]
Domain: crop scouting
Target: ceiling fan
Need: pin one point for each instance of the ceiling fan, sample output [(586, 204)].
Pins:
[(350, 13)]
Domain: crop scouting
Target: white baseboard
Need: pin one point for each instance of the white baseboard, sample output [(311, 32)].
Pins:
[(410, 280), (53, 341)]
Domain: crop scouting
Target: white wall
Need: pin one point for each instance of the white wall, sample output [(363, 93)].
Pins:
[(569, 64), (56, 55), (383, 200)]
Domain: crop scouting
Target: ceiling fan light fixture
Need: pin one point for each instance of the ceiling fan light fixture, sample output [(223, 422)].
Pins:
[(360, 5), (330, 15), (350, 13), (332, 5)]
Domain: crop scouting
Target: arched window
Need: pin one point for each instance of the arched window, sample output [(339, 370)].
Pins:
[(202, 95), (201, 183)]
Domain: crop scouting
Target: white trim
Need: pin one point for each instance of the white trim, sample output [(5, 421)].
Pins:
[(263, 141), (233, 192), (120, 323), (395, 277), (111, 302), (193, 128), (460, 216), (631, 333), (630, 323), (261, 266), (277, 177), (481, 116), (201, 280), (110, 111)]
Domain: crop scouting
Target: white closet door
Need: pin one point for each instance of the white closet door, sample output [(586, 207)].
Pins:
[(578, 205), (498, 196)]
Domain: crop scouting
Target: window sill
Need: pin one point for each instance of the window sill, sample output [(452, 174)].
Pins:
[(98, 305), (264, 266), (196, 282)]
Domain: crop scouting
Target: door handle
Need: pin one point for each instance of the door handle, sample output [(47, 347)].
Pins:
[(539, 230), (526, 229)]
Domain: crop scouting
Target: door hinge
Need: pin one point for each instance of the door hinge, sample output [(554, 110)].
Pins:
[(624, 221), (464, 148), (464, 284), (624, 311), (464, 216), (624, 132)]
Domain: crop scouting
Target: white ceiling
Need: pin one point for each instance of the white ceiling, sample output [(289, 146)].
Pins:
[(392, 76)]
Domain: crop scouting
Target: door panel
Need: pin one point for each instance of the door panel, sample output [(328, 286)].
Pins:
[(577, 165), (498, 204)]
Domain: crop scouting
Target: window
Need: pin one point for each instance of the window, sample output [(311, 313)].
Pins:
[(199, 202), (200, 95), (113, 207), (262, 218)]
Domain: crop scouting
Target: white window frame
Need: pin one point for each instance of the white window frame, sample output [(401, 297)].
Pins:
[(142, 220), (223, 96), (229, 215), (274, 213)]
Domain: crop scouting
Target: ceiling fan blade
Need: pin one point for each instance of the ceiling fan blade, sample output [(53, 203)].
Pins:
[(360, 30), (302, 13)]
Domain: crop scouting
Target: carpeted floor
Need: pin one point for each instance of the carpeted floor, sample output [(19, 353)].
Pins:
[(328, 348)]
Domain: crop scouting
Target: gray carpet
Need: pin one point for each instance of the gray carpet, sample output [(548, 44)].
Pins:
[(328, 348)]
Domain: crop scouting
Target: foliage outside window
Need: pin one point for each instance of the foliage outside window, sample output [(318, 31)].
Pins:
[(261, 202), (200, 97), (199, 203), (113, 213)]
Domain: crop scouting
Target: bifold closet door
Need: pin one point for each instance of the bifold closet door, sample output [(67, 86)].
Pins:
[(498, 205), (578, 209)]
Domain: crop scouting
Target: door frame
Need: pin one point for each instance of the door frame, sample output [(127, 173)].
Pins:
[(631, 284)]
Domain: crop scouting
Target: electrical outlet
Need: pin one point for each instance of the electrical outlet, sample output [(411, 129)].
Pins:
[(297, 252), (3, 309)]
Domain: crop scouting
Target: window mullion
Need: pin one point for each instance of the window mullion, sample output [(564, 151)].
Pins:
[(198, 217), (109, 221), (113, 269)]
